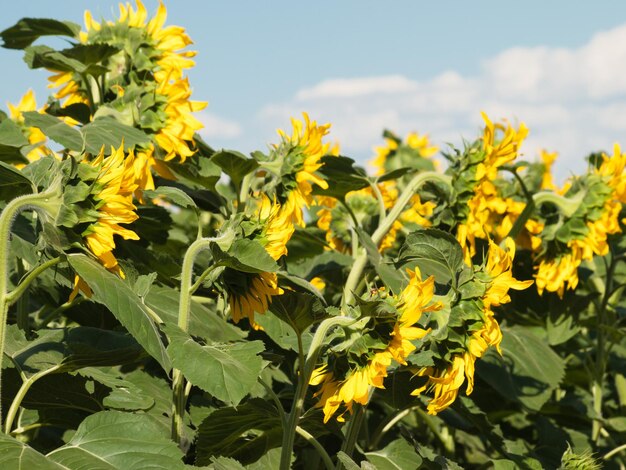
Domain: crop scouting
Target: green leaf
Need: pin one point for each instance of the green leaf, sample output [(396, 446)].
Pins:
[(125, 395), (177, 196), (244, 433), (16, 454), (11, 134), (244, 255), (114, 440), (235, 164), (13, 182), (204, 322), (127, 307), (345, 177), (28, 30), (106, 132), (69, 349), (435, 252), (298, 310), (398, 455), (529, 370), (560, 328), (347, 462), (63, 61), (271, 459), (55, 129), (226, 371)]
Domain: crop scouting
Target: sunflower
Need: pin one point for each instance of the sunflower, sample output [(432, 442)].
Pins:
[(252, 292), (342, 390), (446, 382), (419, 144), (606, 184), (145, 83), (302, 151), (113, 202), (33, 134), (500, 145)]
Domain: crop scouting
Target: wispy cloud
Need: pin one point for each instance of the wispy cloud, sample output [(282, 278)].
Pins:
[(573, 101), (218, 128)]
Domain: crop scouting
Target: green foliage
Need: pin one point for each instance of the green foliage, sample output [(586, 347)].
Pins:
[(154, 314)]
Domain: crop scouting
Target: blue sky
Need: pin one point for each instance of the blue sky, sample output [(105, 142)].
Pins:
[(364, 65)]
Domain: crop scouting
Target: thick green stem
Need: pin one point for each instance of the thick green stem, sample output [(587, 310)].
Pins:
[(352, 433), (21, 393), (328, 463), (178, 382), (47, 203), (601, 351), (385, 225), (304, 377), (16, 293), (567, 205)]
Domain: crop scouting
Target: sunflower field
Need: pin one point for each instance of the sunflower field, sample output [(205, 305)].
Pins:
[(169, 305)]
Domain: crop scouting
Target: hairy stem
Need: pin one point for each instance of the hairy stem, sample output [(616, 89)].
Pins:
[(21, 393), (47, 203), (306, 369), (178, 380), (385, 225)]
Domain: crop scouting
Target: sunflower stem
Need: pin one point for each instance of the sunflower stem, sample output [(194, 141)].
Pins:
[(567, 205), (352, 433), (385, 225), (328, 463), (21, 393), (304, 377), (48, 204), (601, 351), (186, 290)]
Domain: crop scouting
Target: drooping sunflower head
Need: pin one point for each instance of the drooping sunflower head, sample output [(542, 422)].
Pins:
[(112, 195), (414, 152), (277, 227), (143, 83), (33, 134), (298, 156), (249, 293)]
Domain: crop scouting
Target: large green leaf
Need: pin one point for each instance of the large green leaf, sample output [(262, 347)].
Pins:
[(16, 454), (28, 30), (203, 323), (109, 290), (11, 134), (398, 455), (116, 440), (13, 182), (298, 309), (55, 128), (529, 370), (124, 395), (343, 175), (244, 433), (226, 371), (244, 255), (435, 252), (106, 132), (234, 164)]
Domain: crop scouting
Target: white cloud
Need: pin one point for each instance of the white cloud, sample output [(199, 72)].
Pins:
[(216, 127), (573, 101)]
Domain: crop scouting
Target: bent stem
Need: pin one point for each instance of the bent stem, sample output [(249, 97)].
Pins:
[(46, 203), (21, 393), (186, 290), (304, 377), (385, 225)]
